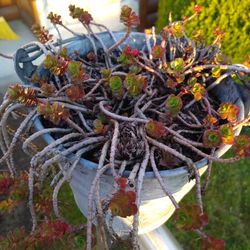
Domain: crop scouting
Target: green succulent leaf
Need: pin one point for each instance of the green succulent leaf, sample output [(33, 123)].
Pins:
[(115, 83), (212, 138), (227, 134), (191, 81), (216, 72), (198, 91), (176, 29), (177, 65), (135, 84), (173, 105)]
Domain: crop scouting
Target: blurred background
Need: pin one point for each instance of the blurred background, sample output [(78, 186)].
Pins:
[(228, 198)]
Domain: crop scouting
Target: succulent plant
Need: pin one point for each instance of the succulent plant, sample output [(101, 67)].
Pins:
[(127, 109)]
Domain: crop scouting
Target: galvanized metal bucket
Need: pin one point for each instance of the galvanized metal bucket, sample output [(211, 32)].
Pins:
[(155, 208)]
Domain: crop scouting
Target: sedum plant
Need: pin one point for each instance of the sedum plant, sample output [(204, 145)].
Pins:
[(126, 110)]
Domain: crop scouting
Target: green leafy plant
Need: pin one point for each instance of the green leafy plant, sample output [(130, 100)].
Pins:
[(231, 16)]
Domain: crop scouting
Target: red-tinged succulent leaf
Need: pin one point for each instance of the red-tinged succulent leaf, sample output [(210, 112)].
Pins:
[(14, 239), (14, 91), (210, 243), (91, 56), (198, 91), (128, 55), (212, 138), (216, 72), (123, 203), (41, 33), (173, 105), (135, 84), (170, 83), (44, 206), (55, 112), (158, 52), (75, 93), (233, 114), (51, 230), (44, 109), (54, 18), (229, 111), (128, 17), (79, 13), (210, 120), (99, 126), (190, 217), (130, 52), (57, 66), (241, 146), (76, 70), (155, 129), (24, 95), (179, 78), (48, 89), (122, 182), (177, 65), (197, 8), (203, 219), (227, 134), (219, 34), (5, 183), (218, 31), (59, 227)]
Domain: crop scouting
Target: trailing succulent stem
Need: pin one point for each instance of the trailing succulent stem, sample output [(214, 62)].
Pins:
[(130, 109)]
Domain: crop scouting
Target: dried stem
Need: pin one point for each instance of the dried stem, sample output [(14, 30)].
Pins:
[(160, 180), (138, 194)]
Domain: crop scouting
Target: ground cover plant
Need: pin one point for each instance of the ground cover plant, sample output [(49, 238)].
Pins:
[(127, 110), (230, 17)]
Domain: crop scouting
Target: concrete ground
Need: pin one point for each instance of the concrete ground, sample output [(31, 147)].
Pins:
[(19, 216), (7, 72)]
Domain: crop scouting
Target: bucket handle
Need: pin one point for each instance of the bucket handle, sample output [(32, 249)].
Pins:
[(23, 59)]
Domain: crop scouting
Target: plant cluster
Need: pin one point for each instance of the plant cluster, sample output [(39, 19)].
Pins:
[(127, 109), (13, 193)]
